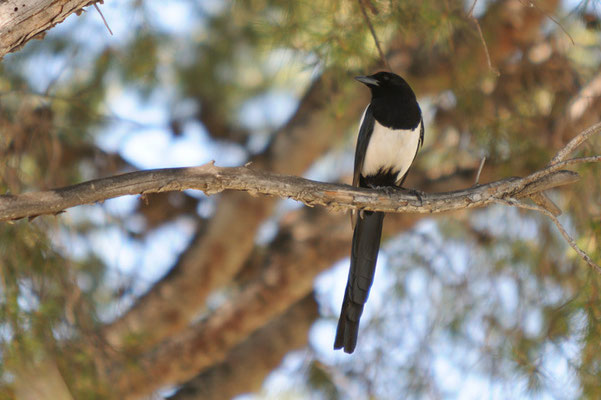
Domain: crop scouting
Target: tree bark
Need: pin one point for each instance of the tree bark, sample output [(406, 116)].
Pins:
[(212, 179), (23, 20), (288, 279), (249, 363)]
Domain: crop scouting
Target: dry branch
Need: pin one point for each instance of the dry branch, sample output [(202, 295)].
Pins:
[(562, 230), (575, 143), (23, 20), (212, 179)]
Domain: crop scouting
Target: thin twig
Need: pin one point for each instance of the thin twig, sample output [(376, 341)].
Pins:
[(470, 15), (564, 233), (479, 171), (373, 34), (369, 4), (552, 18), (559, 165), (470, 12), (103, 20), (493, 69), (575, 143)]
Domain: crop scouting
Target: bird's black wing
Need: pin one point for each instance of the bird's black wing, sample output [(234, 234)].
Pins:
[(365, 130), (421, 138)]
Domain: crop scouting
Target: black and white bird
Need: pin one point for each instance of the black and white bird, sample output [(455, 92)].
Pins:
[(391, 132)]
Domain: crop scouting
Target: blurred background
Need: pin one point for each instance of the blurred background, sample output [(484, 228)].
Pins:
[(184, 296)]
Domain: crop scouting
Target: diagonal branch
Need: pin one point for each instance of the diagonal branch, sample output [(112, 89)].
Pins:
[(23, 20), (287, 280), (373, 34), (564, 233), (575, 143), (247, 364)]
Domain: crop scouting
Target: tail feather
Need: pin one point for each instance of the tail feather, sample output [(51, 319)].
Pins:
[(364, 254)]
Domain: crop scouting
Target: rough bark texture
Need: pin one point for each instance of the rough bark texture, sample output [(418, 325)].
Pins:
[(247, 364), (288, 279), (23, 20), (212, 179)]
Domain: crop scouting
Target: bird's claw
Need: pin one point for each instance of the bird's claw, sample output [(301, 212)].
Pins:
[(391, 190), (417, 193)]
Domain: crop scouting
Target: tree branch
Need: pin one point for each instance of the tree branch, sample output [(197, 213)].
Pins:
[(251, 361), (205, 343), (23, 20), (575, 143), (564, 233), (212, 179)]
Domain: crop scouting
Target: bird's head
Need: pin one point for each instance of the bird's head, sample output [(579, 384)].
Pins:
[(383, 83)]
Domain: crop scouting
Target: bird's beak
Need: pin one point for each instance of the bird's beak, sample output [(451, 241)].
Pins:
[(368, 80)]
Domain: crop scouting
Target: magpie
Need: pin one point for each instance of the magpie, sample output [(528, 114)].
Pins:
[(391, 132)]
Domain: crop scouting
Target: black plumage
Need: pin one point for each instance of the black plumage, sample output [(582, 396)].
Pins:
[(390, 134)]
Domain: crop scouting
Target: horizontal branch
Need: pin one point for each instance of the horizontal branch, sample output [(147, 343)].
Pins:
[(212, 179)]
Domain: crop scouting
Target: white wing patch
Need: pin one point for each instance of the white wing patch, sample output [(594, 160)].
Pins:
[(391, 149)]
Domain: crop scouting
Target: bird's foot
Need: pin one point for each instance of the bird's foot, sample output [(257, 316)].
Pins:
[(417, 193), (390, 190)]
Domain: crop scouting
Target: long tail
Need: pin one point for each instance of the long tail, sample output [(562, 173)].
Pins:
[(366, 243)]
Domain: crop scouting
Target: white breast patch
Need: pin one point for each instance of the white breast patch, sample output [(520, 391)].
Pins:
[(391, 149)]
